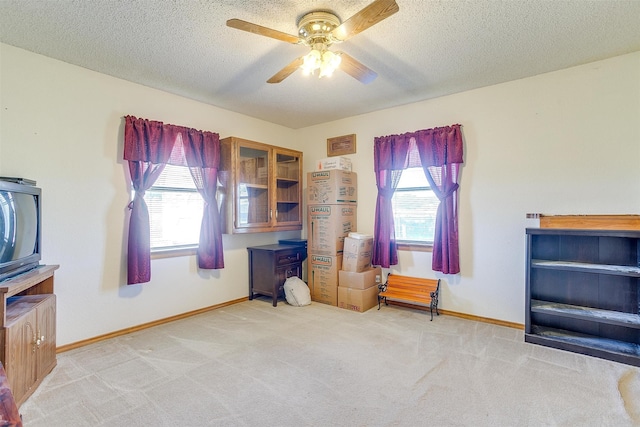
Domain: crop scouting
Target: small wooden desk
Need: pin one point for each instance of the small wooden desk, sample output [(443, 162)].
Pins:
[(270, 266)]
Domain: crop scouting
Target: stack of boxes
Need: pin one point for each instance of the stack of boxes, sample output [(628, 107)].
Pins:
[(340, 271), (331, 216), (358, 280)]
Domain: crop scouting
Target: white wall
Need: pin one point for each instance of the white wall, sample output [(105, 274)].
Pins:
[(563, 142), (566, 142), (62, 126)]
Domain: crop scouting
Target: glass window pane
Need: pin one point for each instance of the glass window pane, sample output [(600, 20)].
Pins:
[(413, 177), (174, 217), (175, 177), (414, 210), (175, 209)]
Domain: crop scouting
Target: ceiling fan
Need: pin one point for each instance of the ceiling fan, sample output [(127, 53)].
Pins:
[(319, 30)]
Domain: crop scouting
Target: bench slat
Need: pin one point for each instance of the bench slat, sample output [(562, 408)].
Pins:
[(397, 282), (410, 288), (419, 285), (406, 295)]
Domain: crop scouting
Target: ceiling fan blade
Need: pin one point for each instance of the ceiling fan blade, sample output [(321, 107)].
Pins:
[(370, 15), (286, 71), (356, 69), (263, 31)]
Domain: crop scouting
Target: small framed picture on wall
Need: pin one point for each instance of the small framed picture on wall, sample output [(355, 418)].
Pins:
[(341, 145)]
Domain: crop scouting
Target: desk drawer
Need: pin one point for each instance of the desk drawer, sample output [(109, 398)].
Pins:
[(289, 257)]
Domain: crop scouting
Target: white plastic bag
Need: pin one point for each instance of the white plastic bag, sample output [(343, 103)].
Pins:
[(297, 292)]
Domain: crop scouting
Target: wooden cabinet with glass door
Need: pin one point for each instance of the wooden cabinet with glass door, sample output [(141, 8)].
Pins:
[(261, 187)]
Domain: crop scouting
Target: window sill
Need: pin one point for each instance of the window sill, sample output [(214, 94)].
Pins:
[(415, 247), (176, 251)]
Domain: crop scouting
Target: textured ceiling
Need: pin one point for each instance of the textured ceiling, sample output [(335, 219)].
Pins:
[(427, 49)]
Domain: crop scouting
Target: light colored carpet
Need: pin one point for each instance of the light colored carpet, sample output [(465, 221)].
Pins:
[(251, 364)]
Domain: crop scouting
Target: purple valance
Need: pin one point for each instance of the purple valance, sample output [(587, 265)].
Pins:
[(160, 143), (438, 146)]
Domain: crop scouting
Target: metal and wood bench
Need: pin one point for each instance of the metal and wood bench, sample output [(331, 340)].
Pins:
[(411, 290)]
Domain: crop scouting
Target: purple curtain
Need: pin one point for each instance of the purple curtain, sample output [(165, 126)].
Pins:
[(147, 150), (390, 158), (440, 154), (148, 147), (203, 152)]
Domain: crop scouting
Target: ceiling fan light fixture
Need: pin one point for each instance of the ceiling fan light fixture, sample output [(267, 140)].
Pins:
[(325, 70), (325, 61), (312, 61), (330, 63), (331, 58)]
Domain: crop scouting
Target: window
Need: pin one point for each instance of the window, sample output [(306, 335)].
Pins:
[(175, 209), (414, 209)]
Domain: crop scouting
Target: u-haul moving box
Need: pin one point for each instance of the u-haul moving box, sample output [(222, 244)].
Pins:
[(327, 227), (357, 254), (330, 163), (357, 299), (332, 187), (360, 280), (323, 278)]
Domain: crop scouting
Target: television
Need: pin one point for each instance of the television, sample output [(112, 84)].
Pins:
[(20, 227)]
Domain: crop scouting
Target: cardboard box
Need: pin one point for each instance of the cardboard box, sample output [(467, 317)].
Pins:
[(357, 254), (341, 163), (332, 187), (323, 277), (360, 280), (357, 235), (357, 299), (327, 227)]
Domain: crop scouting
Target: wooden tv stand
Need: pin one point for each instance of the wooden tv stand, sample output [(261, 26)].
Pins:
[(28, 329)]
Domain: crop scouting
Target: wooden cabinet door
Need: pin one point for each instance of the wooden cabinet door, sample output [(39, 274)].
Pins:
[(29, 315), (46, 336), (253, 208), (21, 357), (288, 189)]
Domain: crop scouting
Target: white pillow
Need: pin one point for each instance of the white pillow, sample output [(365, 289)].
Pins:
[(297, 292)]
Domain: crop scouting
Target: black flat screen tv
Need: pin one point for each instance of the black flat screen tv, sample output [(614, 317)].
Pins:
[(20, 228)]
